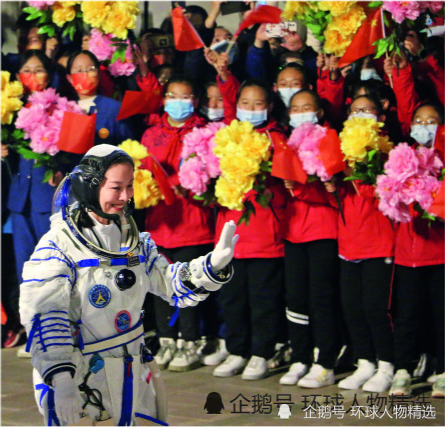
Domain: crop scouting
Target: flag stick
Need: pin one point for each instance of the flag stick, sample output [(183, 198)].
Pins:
[(384, 36)]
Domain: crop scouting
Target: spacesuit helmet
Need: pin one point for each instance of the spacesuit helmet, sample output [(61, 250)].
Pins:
[(87, 176)]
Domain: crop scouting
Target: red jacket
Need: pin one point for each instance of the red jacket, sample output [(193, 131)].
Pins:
[(332, 93), (367, 233), (418, 244), (185, 222), (309, 214), (433, 70), (260, 239), (229, 90)]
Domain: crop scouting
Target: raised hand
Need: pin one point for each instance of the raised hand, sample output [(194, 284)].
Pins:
[(223, 252)]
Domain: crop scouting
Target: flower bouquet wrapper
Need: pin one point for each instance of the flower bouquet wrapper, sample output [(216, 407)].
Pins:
[(151, 163), (287, 165), (77, 133), (136, 102), (330, 153), (437, 208)]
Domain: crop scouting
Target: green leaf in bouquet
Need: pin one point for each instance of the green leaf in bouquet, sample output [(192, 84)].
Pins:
[(248, 211), (18, 134), (119, 54), (33, 13), (312, 178), (371, 154), (375, 4), (266, 166), (263, 199), (47, 29), (315, 28), (48, 175)]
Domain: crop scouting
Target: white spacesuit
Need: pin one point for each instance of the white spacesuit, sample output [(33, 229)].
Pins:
[(81, 305)]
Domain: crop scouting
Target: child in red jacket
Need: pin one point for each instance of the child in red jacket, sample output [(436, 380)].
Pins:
[(419, 274), (183, 229), (366, 248), (309, 229), (252, 303)]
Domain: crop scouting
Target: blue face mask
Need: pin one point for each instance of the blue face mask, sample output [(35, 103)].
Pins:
[(423, 134), (253, 117), (179, 110), (286, 94)]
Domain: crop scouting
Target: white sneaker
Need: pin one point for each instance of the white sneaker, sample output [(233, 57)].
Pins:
[(432, 378), (296, 371), (166, 352), (365, 370), (401, 384), (439, 386), (382, 380), (22, 353), (256, 369), (230, 367), (317, 377), (218, 356), (186, 357)]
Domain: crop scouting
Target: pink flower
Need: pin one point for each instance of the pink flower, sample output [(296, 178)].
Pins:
[(100, 45), (305, 140), (433, 6), (400, 10), (42, 119), (193, 176), (402, 162), (117, 68), (429, 162), (41, 4)]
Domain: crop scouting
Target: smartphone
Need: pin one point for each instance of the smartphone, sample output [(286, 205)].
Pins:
[(233, 7), (281, 29)]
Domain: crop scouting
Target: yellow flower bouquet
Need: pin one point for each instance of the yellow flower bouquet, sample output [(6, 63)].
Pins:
[(244, 162), (116, 17), (364, 148), (11, 93), (146, 189)]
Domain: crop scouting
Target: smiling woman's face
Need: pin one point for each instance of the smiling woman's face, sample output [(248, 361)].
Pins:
[(116, 188)]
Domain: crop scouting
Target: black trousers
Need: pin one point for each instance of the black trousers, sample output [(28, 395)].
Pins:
[(365, 295), (188, 322), (414, 287), (311, 273), (250, 304)]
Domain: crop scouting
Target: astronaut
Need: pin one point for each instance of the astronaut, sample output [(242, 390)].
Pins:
[(82, 294)]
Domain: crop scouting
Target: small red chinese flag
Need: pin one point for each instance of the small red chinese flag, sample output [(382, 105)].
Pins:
[(438, 206), (361, 45), (77, 133), (185, 36), (261, 15), (330, 153), (287, 165), (151, 163), (4, 318), (136, 102)]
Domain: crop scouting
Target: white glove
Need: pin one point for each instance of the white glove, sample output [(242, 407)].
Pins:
[(223, 252), (67, 398)]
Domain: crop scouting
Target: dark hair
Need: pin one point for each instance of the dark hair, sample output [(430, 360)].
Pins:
[(258, 83), (179, 78), (27, 55), (24, 27), (160, 68), (74, 55), (371, 98), (376, 88), (437, 106), (312, 93), (198, 10)]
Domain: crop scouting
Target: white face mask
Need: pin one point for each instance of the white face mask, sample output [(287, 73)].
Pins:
[(213, 114), (254, 117), (423, 134), (297, 119), (369, 73), (363, 116), (286, 93)]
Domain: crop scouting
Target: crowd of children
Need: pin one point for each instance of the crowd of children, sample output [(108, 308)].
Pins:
[(309, 281)]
